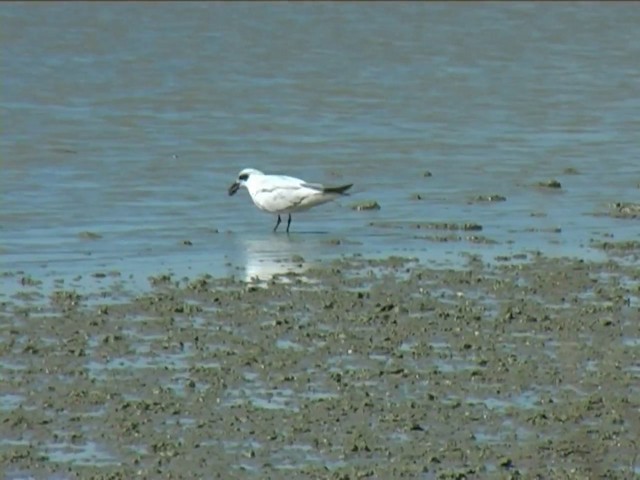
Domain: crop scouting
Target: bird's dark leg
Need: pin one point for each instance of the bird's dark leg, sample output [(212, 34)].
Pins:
[(288, 223), (277, 223)]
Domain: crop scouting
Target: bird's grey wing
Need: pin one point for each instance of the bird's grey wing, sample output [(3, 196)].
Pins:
[(323, 189), (313, 186)]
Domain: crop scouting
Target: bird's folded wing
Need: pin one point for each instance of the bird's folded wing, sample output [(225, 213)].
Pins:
[(313, 186)]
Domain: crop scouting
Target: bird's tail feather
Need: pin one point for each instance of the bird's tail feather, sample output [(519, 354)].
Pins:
[(341, 190)]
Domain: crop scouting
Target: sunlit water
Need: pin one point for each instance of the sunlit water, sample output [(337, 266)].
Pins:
[(129, 122)]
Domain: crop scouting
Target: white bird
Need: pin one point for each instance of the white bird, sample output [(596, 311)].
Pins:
[(281, 194)]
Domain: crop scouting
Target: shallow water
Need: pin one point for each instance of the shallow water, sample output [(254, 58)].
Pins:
[(123, 125), (129, 122)]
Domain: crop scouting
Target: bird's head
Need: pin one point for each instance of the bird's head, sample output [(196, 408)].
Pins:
[(242, 179)]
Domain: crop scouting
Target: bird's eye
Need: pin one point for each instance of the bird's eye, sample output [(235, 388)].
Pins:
[(244, 176)]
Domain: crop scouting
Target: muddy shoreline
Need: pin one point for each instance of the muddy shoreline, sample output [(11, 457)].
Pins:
[(524, 368)]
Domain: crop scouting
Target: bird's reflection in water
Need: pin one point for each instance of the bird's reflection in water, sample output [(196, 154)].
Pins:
[(274, 255)]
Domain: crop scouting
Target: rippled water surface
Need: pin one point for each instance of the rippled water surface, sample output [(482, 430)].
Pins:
[(124, 124)]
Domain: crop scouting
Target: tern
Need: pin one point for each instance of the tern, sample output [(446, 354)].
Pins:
[(280, 194)]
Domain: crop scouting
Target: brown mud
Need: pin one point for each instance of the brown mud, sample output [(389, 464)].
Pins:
[(528, 367)]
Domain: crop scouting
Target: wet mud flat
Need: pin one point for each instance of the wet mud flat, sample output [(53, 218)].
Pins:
[(528, 367)]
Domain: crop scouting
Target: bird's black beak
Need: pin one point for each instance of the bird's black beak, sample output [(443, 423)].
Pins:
[(234, 188)]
